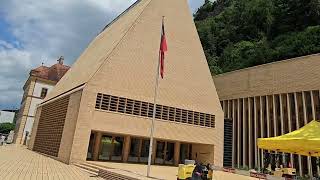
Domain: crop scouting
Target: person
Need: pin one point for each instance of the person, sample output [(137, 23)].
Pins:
[(197, 172), (2, 139), (200, 172)]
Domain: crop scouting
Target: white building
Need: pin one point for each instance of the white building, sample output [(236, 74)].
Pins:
[(6, 117), (40, 82)]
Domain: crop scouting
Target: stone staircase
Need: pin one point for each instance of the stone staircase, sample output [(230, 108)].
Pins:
[(103, 172)]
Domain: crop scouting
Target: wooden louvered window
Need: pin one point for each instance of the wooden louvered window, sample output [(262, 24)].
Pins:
[(171, 113), (136, 108), (201, 119), (190, 117), (184, 116), (122, 105), (207, 120), (145, 109), (105, 102), (165, 112), (113, 103), (129, 107), (178, 115), (213, 123), (99, 101), (158, 111), (150, 110), (196, 118)]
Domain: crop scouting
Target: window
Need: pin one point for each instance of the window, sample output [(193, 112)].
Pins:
[(145, 109), (44, 92)]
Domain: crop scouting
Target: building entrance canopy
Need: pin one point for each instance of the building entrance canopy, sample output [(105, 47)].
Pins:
[(304, 141)]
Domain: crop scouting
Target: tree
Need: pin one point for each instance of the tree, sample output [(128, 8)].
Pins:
[(5, 128), (237, 34)]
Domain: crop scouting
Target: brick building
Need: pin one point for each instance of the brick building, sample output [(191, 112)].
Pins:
[(101, 109), (270, 100)]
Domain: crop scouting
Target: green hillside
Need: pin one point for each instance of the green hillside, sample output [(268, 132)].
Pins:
[(236, 34)]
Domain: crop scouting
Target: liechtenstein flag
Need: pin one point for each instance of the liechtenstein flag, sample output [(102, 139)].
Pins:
[(163, 49)]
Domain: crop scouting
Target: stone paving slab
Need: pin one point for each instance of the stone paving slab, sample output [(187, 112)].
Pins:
[(19, 163), (161, 172)]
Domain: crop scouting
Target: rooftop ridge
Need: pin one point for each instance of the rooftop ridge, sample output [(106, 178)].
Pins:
[(120, 15), (268, 64)]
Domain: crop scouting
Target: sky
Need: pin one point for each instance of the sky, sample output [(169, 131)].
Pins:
[(34, 32)]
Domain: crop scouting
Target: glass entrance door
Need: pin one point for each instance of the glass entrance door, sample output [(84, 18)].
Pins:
[(111, 148), (164, 153), (169, 154), (144, 151), (160, 152), (185, 152), (117, 148), (105, 148)]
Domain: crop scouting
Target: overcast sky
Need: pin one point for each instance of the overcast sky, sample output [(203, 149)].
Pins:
[(36, 31)]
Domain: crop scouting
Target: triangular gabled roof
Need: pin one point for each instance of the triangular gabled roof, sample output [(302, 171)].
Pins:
[(98, 50), (121, 61)]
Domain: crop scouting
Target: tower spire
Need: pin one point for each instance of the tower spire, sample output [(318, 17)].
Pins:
[(60, 60)]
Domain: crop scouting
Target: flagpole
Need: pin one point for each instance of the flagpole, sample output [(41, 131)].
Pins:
[(154, 113)]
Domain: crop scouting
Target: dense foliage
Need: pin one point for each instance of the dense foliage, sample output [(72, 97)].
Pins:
[(5, 128), (237, 34)]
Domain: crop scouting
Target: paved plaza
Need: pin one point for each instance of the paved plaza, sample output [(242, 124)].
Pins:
[(164, 172), (17, 162)]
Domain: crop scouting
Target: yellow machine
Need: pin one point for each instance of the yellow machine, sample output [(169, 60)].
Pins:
[(285, 172), (185, 171)]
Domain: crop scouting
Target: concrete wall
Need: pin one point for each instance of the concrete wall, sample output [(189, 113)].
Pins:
[(203, 153), (293, 75), (69, 127), (138, 126)]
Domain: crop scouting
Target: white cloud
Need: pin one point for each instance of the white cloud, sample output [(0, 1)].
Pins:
[(46, 30)]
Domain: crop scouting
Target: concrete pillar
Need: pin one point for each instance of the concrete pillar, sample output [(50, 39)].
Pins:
[(282, 122), (229, 109), (262, 126), (298, 126), (126, 148), (244, 133), (176, 153), (255, 116), (239, 133), (268, 116), (225, 110), (234, 146), (275, 119), (309, 164), (96, 148), (251, 154), (289, 123), (314, 117)]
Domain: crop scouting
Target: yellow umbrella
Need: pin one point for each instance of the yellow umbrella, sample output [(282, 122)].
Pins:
[(304, 141)]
